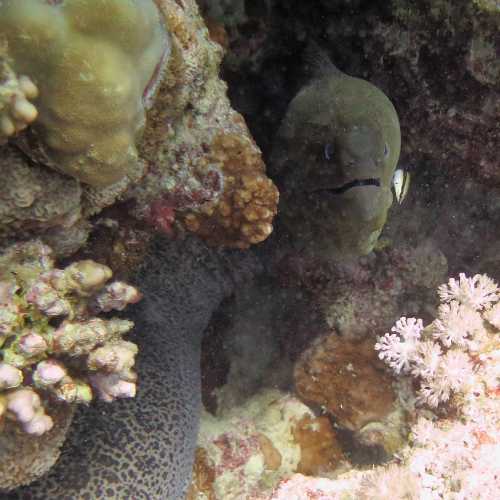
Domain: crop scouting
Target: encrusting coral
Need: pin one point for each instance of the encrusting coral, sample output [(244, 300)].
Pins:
[(94, 66), (209, 170), (53, 348), (248, 447)]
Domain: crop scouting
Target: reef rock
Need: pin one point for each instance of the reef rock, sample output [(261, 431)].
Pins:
[(188, 162), (246, 448)]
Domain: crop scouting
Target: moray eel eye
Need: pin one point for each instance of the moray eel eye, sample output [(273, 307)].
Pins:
[(328, 151)]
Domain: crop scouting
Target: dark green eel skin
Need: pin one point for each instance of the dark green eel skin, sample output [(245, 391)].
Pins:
[(334, 158), (143, 448)]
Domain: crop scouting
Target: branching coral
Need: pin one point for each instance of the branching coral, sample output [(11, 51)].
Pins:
[(52, 347), (96, 66)]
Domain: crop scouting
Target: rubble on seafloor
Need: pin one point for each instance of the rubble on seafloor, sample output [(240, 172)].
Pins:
[(247, 448)]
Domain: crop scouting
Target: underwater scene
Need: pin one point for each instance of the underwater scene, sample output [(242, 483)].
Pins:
[(249, 250)]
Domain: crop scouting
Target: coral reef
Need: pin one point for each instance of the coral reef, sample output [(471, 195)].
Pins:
[(52, 346), (193, 155), (144, 447), (252, 446), (210, 169), (94, 82), (455, 441)]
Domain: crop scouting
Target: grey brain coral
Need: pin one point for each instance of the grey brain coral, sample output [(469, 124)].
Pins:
[(144, 449)]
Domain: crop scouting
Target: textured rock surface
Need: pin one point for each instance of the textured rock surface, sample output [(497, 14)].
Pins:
[(247, 448), (145, 447)]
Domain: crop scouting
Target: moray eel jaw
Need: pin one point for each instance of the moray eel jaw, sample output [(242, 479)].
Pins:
[(363, 200)]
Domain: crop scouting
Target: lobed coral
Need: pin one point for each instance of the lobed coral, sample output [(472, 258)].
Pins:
[(53, 348), (243, 214), (16, 94), (193, 156), (95, 67)]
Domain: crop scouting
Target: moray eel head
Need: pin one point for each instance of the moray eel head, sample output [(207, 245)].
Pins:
[(335, 155)]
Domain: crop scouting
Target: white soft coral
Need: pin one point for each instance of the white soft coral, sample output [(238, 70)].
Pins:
[(399, 349), (478, 292), (445, 355)]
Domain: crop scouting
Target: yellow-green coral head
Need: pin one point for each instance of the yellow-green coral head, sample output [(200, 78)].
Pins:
[(335, 155), (95, 64)]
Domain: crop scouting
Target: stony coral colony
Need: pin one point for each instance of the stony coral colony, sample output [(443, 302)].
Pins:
[(160, 132), (54, 346)]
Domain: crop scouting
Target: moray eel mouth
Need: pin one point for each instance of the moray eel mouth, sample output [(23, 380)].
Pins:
[(348, 185)]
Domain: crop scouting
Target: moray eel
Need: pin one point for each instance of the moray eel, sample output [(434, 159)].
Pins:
[(334, 157), (143, 448)]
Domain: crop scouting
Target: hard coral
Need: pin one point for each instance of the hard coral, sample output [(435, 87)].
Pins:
[(96, 143), (16, 110), (95, 66), (243, 214), (35, 200), (209, 169), (43, 362), (26, 457)]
